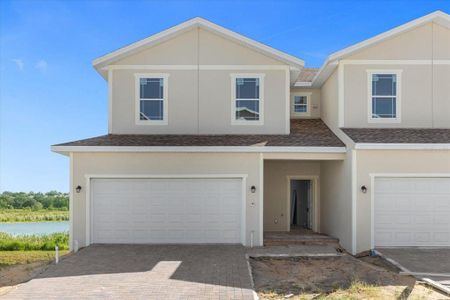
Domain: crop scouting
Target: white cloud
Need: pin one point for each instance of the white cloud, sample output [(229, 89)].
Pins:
[(19, 63), (41, 65)]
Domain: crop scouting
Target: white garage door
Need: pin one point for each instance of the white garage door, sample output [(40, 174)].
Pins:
[(139, 211), (412, 212)]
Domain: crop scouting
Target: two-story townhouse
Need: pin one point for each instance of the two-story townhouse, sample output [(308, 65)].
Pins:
[(216, 138)]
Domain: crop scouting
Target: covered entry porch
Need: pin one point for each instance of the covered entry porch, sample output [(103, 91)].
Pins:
[(293, 210)]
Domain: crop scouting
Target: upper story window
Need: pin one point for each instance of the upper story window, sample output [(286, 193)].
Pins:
[(151, 99), (247, 99), (300, 104), (384, 96)]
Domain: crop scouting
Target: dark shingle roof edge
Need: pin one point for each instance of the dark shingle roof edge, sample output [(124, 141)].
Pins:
[(399, 135), (304, 133)]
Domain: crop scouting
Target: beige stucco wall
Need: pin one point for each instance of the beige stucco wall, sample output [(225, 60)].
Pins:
[(276, 197), (180, 50), (441, 95), (389, 161), (425, 90), (416, 95), (216, 50), (441, 42), (413, 44), (336, 200), (167, 164), (329, 101), (199, 100), (198, 106), (314, 106)]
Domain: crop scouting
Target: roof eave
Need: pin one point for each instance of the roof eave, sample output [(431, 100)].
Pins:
[(202, 149)]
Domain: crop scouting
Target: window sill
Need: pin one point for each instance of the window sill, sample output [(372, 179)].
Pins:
[(152, 123), (301, 115), (384, 120), (245, 123)]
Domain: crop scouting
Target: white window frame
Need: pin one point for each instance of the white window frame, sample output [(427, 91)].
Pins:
[(308, 104), (398, 98), (165, 99), (235, 76)]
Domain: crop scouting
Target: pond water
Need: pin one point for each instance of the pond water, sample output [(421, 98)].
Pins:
[(39, 228)]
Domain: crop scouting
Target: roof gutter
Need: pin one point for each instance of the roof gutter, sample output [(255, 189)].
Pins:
[(402, 146), (198, 149)]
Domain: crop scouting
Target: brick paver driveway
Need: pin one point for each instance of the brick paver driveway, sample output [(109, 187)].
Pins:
[(144, 272)]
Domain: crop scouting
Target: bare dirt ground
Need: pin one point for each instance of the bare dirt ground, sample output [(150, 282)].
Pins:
[(343, 277), (15, 274), (21, 266)]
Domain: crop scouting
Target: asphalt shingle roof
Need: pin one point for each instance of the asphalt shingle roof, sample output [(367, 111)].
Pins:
[(304, 133), (399, 135), (307, 74)]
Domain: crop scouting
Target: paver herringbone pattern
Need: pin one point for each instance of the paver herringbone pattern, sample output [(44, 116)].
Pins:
[(144, 272)]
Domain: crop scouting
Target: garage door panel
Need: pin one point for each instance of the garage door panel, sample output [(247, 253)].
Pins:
[(166, 210), (412, 212), (443, 237)]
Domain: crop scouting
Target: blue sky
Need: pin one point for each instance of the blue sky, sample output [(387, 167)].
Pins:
[(50, 93)]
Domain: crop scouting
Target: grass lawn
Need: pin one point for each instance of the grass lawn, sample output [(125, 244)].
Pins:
[(28, 215), (24, 257), (9, 258), (34, 242), (20, 266)]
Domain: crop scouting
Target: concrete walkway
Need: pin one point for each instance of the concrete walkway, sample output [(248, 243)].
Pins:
[(144, 272)]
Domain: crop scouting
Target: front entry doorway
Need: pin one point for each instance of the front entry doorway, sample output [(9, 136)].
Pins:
[(301, 204)]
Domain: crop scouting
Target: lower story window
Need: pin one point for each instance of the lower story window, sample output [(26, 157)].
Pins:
[(300, 104)]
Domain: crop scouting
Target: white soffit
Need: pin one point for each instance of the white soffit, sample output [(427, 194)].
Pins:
[(99, 63), (331, 62)]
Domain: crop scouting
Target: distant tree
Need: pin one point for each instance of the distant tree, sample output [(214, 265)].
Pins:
[(31, 200)]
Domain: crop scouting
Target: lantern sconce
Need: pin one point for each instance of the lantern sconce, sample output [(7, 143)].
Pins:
[(78, 189), (363, 189), (253, 189)]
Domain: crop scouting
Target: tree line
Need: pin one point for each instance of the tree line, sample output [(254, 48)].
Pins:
[(20, 200)]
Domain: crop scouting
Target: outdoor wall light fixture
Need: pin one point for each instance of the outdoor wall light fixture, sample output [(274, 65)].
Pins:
[(363, 189), (78, 189), (253, 189)]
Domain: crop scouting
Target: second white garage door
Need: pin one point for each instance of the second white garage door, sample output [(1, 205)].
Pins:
[(412, 212), (139, 211)]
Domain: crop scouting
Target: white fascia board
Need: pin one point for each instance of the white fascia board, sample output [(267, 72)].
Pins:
[(438, 17), (402, 146), (303, 84), (199, 149), (183, 27), (324, 72)]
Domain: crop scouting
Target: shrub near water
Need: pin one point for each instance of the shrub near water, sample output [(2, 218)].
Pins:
[(34, 242), (29, 215)]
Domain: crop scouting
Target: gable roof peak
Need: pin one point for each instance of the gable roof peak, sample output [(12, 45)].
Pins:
[(176, 30), (438, 17)]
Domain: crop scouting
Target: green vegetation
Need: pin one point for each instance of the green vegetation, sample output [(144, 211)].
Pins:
[(34, 201), (29, 215), (34, 207), (9, 258), (34, 242)]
